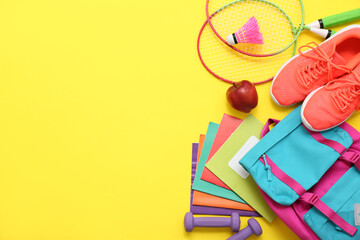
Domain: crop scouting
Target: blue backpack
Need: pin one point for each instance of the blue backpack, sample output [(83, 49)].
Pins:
[(310, 179)]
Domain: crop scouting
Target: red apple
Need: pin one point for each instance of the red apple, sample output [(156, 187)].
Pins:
[(242, 96)]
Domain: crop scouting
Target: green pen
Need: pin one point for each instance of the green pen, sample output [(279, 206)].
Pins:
[(336, 19)]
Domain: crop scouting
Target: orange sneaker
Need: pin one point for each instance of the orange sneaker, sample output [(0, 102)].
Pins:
[(312, 69), (330, 105)]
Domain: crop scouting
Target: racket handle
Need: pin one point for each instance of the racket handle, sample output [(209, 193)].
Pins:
[(341, 18), (336, 19), (325, 33)]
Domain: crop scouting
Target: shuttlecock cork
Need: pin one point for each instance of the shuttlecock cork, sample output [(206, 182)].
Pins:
[(249, 33)]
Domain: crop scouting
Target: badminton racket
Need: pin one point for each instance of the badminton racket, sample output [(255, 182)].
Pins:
[(281, 22), (231, 66)]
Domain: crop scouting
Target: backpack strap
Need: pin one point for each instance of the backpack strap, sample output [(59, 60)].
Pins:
[(315, 201), (351, 157), (294, 185), (338, 147), (266, 128)]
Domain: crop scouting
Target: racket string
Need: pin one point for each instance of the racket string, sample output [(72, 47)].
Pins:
[(231, 66)]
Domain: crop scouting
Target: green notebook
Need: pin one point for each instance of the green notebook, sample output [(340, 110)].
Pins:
[(246, 188)]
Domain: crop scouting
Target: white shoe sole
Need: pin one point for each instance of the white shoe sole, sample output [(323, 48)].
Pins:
[(292, 58)]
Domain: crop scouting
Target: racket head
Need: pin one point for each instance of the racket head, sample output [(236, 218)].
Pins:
[(280, 21), (231, 66)]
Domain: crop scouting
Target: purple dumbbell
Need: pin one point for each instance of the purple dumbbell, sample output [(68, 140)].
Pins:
[(252, 228), (190, 222)]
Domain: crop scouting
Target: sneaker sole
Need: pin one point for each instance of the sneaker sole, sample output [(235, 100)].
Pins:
[(292, 58)]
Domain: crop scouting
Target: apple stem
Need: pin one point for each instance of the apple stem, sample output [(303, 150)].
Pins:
[(234, 84)]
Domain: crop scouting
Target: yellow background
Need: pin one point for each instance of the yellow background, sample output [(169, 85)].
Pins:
[(100, 101)]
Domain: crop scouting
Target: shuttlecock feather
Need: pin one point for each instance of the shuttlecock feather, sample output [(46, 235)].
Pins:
[(249, 33)]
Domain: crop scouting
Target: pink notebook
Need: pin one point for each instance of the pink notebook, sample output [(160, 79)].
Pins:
[(227, 126)]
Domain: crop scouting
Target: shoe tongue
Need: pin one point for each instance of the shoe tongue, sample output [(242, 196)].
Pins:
[(338, 59)]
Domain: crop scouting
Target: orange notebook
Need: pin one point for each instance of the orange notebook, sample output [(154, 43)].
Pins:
[(204, 199)]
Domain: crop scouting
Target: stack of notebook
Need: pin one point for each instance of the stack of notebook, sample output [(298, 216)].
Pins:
[(219, 184)]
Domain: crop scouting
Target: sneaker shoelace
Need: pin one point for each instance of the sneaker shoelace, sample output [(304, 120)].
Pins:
[(322, 64), (344, 94)]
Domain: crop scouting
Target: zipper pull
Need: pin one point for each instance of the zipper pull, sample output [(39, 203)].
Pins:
[(268, 169)]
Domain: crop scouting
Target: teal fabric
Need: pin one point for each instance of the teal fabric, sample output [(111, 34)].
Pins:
[(296, 153), (341, 198), (293, 120), (305, 159), (276, 189), (339, 135)]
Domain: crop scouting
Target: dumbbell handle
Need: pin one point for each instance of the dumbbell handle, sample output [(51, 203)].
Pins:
[(242, 235), (212, 222), (252, 228), (190, 222)]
